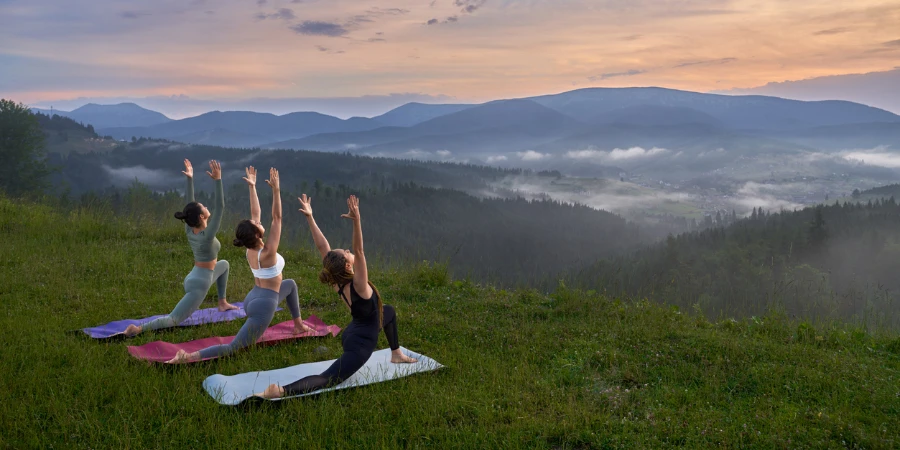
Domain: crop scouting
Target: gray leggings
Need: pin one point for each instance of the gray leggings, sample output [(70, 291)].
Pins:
[(260, 305), (196, 285)]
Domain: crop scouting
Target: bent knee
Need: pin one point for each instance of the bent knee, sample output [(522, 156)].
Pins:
[(222, 264)]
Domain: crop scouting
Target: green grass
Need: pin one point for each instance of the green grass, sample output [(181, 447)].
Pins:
[(524, 370)]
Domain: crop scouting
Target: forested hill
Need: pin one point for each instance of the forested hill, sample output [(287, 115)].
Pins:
[(831, 262), (158, 164), (412, 214), (509, 242), (63, 135)]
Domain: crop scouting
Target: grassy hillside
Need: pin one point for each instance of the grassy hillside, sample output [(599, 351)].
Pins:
[(524, 370)]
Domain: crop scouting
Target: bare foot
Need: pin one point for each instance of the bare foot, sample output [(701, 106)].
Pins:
[(273, 391), (303, 328), (133, 330), (225, 306), (182, 357), (397, 357)]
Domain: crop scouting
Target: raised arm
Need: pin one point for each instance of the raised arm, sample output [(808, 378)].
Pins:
[(215, 172), (319, 238), (189, 173), (360, 271), (255, 212), (275, 230)]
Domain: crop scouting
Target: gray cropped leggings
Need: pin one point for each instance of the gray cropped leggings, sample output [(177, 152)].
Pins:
[(260, 305), (196, 285)]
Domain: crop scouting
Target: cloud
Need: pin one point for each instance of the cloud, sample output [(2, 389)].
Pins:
[(444, 153), (469, 6), (767, 196), (605, 76), (152, 177), (615, 197), (133, 14), (377, 40), (532, 155), (450, 19), (706, 63), (895, 43), (282, 14), (717, 151), (831, 31), (260, 2), (632, 37), (375, 13), (875, 157), (498, 158), (316, 28), (617, 154)]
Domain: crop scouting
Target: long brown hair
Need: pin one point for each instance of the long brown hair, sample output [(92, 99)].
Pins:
[(334, 273)]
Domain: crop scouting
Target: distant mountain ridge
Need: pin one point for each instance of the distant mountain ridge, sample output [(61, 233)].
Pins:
[(602, 118), (255, 128), (107, 116)]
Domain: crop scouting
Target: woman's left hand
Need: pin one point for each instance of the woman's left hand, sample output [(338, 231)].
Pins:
[(353, 208)]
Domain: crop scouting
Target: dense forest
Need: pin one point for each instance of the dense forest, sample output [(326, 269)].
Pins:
[(830, 262), (506, 241), (159, 162)]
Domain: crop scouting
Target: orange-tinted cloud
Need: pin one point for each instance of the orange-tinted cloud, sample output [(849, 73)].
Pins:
[(490, 49)]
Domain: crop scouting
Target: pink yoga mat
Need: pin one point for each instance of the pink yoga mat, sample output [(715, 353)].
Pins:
[(160, 351)]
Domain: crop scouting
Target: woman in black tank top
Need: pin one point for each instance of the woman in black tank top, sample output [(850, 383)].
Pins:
[(346, 272)]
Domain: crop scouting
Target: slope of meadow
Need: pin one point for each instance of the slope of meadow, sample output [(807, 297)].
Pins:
[(524, 370)]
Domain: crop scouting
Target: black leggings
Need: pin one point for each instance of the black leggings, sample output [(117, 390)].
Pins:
[(358, 347)]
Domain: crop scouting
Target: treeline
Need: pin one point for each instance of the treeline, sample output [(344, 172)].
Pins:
[(61, 124), (511, 242), (830, 262), (158, 164)]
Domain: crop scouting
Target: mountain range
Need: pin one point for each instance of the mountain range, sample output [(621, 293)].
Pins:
[(594, 118)]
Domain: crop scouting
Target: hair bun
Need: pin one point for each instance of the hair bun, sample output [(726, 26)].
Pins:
[(179, 215), (237, 243)]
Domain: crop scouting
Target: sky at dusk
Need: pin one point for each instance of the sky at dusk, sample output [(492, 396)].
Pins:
[(370, 55)]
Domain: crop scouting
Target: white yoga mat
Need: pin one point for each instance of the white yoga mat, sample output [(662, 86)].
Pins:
[(232, 390)]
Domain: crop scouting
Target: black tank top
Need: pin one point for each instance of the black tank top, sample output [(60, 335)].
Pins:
[(361, 310)]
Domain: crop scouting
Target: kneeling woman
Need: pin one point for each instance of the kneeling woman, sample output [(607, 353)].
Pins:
[(201, 228), (346, 272), (266, 265)]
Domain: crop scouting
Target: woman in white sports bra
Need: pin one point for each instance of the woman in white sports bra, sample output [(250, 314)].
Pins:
[(266, 265)]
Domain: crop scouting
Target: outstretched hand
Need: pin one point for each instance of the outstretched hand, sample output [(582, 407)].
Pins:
[(273, 181), (251, 176), (353, 208), (188, 169), (215, 170), (305, 205)]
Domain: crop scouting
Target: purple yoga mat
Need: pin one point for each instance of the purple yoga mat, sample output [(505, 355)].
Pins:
[(160, 351), (199, 317)]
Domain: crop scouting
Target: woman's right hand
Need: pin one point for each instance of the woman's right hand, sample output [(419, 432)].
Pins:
[(305, 205), (215, 170), (188, 169), (273, 179), (251, 176)]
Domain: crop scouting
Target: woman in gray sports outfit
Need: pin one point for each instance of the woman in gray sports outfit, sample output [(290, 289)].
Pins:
[(200, 227)]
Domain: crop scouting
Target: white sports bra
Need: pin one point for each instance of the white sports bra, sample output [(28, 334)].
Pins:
[(268, 272)]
